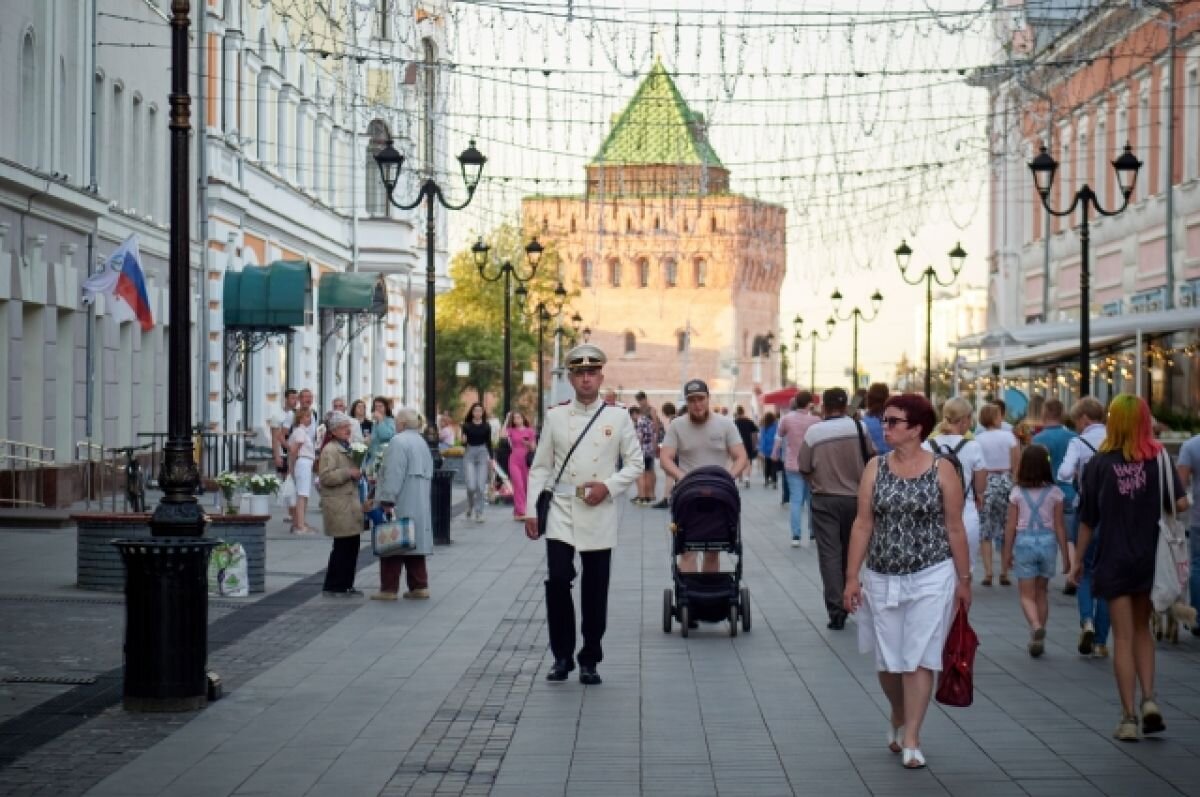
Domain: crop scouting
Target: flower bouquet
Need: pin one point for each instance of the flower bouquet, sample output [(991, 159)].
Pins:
[(263, 483), (372, 470), (229, 482), (358, 452)]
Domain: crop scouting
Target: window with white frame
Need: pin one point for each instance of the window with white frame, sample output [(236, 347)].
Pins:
[(1150, 301), (1191, 127), (1164, 125), (116, 170), (139, 147), (1081, 152), (1100, 147), (31, 91)]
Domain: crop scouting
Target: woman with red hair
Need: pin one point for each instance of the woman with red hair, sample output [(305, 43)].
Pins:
[(1121, 485)]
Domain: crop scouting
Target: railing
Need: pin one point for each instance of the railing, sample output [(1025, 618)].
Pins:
[(21, 477), (215, 453)]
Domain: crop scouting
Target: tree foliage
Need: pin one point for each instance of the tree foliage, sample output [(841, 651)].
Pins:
[(470, 321)]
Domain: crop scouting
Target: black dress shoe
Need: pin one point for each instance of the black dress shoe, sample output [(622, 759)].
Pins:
[(837, 622), (560, 669), (1069, 589), (588, 675)]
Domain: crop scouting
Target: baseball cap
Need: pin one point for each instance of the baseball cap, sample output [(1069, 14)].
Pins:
[(695, 387), (835, 398)]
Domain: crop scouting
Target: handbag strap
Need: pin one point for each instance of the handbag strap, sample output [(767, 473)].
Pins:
[(862, 441), (575, 445), (1166, 483)]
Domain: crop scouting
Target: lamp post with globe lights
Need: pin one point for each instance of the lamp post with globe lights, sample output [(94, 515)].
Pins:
[(859, 316), (814, 335), (930, 275)]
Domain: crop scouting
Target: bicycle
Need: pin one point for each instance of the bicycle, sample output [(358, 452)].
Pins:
[(135, 478)]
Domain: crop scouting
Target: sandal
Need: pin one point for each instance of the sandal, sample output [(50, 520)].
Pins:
[(987, 581), (1004, 582), (895, 738), (912, 758)]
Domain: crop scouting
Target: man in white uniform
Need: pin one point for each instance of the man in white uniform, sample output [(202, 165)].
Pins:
[(583, 513)]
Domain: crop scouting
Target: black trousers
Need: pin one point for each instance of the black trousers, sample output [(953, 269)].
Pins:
[(832, 519), (343, 564), (593, 599)]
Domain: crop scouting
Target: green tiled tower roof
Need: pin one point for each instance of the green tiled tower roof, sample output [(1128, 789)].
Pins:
[(657, 128)]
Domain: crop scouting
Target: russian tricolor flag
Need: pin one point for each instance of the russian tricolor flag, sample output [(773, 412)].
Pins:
[(131, 282)]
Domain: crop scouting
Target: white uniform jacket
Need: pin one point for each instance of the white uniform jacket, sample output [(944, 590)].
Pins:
[(587, 528)]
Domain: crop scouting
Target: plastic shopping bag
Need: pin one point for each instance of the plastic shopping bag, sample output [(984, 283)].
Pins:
[(287, 493), (228, 573)]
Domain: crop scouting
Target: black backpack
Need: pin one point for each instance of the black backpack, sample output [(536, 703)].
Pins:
[(951, 455)]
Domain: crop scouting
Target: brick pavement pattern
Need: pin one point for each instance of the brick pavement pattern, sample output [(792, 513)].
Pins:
[(448, 697)]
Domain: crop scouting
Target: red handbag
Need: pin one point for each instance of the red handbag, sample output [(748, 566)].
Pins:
[(956, 683)]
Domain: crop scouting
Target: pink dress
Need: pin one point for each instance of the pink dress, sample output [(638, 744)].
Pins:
[(522, 441)]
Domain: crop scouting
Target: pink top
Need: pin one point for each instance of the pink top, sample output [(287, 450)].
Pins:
[(521, 436), (1025, 498), (792, 428)]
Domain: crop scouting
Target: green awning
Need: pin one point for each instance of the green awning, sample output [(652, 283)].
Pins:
[(352, 293), (267, 297)]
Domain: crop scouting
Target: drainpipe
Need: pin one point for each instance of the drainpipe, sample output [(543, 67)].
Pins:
[(1170, 188), (202, 209)]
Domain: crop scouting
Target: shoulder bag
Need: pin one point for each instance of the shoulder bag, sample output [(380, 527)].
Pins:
[(546, 496), (1172, 564), (956, 682)]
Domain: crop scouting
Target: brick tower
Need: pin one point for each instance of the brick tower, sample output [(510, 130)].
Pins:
[(678, 277)]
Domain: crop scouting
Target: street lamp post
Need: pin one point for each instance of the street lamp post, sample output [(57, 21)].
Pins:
[(813, 335), (859, 316), (543, 312), (1043, 167), (508, 272), (390, 162), (930, 275)]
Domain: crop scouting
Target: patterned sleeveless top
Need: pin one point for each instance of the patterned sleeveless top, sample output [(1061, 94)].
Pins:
[(910, 525)]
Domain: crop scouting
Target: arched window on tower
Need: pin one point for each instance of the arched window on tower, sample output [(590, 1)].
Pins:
[(670, 273), (712, 223), (643, 267), (585, 273), (614, 272), (630, 342), (572, 224), (700, 272), (681, 341)]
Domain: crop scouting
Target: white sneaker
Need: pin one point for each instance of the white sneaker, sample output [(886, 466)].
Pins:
[(795, 542), (479, 517)]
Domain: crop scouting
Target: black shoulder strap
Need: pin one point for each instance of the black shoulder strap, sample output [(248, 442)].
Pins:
[(1083, 440), (959, 447), (862, 441), (575, 445)]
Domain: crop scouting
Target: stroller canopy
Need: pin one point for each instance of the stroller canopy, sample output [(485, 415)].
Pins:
[(706, 506)]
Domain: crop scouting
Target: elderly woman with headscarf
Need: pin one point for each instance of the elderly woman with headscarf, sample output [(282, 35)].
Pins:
[(403, 491), (341, 506)]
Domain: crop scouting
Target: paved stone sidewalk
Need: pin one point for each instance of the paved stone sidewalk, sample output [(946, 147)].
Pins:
[(448, 697)]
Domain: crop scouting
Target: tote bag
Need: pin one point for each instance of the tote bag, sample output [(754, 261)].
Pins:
[(392, 537), (1172, 563), (956, 683)]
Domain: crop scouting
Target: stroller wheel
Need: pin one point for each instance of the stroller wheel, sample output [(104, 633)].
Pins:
[(745, 609), (668, 611), (733, 619), (683, 621)]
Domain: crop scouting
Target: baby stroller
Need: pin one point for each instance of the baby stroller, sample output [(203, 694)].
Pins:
[(705, 516), (500, 486)]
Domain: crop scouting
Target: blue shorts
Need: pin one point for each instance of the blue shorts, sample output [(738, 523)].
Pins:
[(1071, 519), (1034, 555)]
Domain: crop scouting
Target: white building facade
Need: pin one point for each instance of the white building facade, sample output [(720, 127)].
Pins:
[(286, 111)]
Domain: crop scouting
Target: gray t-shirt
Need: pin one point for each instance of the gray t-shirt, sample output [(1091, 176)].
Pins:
[(1189, 454), (700, 444)]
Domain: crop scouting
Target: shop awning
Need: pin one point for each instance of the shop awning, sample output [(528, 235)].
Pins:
[(352, 293), (1045, 355), (1182, 318), (272, 297)]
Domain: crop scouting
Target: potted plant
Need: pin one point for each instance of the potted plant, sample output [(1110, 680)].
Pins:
[(229, 482), (261, 486)]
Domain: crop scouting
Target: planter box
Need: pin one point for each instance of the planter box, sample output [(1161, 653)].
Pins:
[(98, 565)]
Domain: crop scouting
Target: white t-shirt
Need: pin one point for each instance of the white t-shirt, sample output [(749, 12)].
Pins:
[(306, 449), (997, 445), (970, 456)]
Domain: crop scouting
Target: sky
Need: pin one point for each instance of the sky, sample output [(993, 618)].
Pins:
[(855, 115)]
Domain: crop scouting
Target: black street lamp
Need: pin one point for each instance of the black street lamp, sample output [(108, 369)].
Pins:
[(390, 163), (509, 272), (1043, 168), (783, 364), (858, 315), (813, 335), (903, 256), (542, 312)]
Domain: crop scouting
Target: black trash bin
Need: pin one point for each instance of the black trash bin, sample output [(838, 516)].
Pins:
[(440, 500), (166, 622)]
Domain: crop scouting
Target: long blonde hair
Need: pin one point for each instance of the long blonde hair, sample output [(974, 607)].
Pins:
[(953, 411)]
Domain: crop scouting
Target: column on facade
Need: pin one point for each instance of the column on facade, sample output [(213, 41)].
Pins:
[(323, 160), (285, 122), (251, 85), (304, 143), (233, 86)]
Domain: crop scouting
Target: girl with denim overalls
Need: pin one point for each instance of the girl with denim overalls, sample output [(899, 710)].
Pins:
[(1034, 534)]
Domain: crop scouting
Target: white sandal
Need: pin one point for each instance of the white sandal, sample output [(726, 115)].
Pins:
[(912, 758), (895, 738)]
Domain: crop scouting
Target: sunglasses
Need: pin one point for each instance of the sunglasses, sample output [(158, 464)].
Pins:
[(892, 420)]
